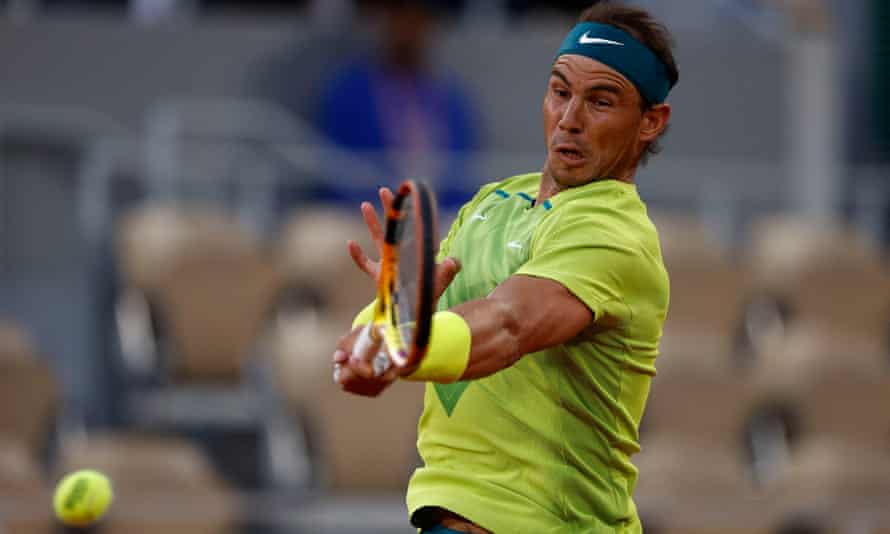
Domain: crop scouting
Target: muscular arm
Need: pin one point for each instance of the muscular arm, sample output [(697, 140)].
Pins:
[(524, 314)]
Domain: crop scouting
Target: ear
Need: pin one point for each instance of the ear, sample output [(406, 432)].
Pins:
[(655, 120)]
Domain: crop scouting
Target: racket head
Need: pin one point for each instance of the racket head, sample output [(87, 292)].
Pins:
[(406, 285)]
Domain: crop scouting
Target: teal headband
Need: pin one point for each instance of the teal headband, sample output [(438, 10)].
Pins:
[(617, 49)]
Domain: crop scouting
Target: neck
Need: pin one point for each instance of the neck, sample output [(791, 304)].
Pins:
[(550, 186)]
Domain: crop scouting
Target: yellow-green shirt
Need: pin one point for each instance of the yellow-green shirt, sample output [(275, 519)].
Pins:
[(544, 446)]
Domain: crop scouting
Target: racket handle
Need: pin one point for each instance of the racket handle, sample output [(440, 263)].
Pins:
[(364, 342), (381, 362)]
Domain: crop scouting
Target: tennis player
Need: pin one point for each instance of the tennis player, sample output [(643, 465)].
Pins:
[(554, 298)]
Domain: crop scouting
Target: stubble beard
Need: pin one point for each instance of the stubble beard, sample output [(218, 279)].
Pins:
[(563, 179)]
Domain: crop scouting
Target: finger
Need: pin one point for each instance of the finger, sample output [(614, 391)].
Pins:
[(364, 351), (445, 273), (343, 376), (386, 196), (361, 369), (375, 230), (340, 356), (354, 384), (362, 261)]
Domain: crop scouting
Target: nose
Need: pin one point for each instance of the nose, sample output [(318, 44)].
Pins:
[(570, 120)]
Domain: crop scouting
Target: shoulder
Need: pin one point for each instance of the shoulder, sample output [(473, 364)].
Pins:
[(606, 202), (610, 214)]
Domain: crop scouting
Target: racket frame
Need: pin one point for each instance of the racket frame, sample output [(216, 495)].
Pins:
[(386, 312)]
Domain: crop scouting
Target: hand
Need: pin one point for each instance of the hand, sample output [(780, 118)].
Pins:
[(375, 229), (354, 371), (446, 270)]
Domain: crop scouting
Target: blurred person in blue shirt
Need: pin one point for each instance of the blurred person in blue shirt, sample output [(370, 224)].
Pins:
[(392, 106)]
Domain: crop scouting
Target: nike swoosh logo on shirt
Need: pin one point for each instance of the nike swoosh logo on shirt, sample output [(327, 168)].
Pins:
[(479, 216), (514, 244), (587, 39)]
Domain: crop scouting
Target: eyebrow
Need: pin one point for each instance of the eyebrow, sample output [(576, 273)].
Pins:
[(607, 87), (561, 76)]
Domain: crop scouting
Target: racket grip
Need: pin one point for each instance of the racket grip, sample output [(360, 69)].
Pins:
[(381, 362), (364, 342)]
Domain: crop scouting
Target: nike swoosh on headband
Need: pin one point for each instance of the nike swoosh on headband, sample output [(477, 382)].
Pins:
[(586, 39), (621, 51)]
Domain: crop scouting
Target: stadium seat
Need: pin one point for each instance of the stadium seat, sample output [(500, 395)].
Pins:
[(670, 467), (826, 474), (315, 258), (303, 343), (29, 394), (215, 304), (361, 444), (692, 454), (691, 488), (198, 294), (691, 435), (670, 523), (821, 274), (150, 238), (700, 395), (324, 292), (211, 285), (161, 484), (369, 444), (699, 408), (148, 241), (24, 496), (839, 384), (707, 292)]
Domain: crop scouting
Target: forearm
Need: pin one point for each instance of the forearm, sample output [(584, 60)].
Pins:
[(480, 337), (495, 332), (523, 315)]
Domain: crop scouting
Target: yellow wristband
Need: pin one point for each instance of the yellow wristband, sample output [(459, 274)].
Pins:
[(366, 315), (449, 351)]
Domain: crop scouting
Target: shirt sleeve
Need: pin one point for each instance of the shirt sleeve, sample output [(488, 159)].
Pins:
[(586, 252)]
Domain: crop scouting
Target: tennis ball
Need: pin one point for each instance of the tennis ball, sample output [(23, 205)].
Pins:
[(82, 498)]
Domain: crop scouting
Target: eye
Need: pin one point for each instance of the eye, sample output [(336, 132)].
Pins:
[(560, 92), (601, 102)]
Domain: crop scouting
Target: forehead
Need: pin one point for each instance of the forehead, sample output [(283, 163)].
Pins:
[(583, 70)]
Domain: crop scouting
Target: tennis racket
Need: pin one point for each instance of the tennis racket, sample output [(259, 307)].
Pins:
[(404, 310)]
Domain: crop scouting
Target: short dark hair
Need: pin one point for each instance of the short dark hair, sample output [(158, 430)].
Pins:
[(642, 26)]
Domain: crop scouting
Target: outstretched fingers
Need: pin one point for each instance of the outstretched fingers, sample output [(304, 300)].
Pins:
[(386, 196), (362, 261), (374, 221)]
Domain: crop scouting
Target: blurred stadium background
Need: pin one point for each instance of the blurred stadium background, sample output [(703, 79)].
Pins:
[(173, 272)]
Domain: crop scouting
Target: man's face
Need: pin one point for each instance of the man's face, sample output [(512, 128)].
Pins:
[(592, 123)]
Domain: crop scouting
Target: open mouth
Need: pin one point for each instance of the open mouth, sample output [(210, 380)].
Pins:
[(570, 154)]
